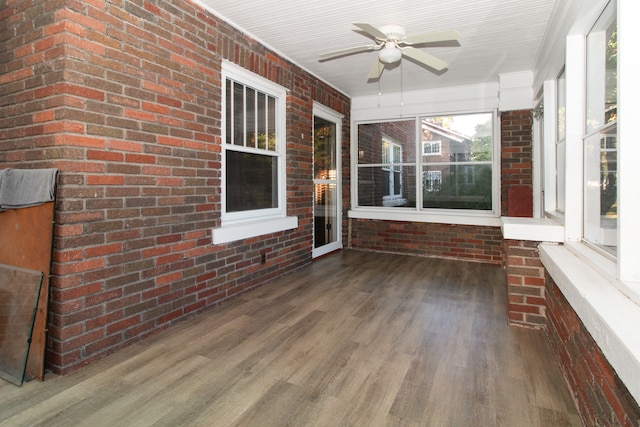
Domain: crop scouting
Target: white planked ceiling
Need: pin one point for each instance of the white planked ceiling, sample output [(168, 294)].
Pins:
[(497, 36)]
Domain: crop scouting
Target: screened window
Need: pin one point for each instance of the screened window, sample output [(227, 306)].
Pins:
[(453, 168), (253, 148), (600, 143)]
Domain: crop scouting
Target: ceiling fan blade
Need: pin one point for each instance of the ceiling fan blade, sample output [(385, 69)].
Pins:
[(424, 58), (376, 70), (433, 37), (343, 52), (372, 31)]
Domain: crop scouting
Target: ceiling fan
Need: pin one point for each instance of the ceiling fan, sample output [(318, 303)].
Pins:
[(392, 43)]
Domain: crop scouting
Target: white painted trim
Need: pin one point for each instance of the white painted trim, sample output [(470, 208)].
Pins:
[(532, 229), (611, 317), (458, 100), (232, 233), (576, 83), (628, 147), (516, 91), (337, 118), (448, 217)]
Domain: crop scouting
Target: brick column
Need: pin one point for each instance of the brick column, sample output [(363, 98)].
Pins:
[(516, 163), (525, 284)]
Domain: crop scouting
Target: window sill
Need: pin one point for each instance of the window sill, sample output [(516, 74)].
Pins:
[(246, 230), (609, 315), (532, 229), (389, 214)]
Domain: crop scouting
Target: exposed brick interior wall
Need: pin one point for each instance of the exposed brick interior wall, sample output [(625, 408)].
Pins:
[(516, 163), (525, 284), (601, 397), (124, 98), (464, 242)]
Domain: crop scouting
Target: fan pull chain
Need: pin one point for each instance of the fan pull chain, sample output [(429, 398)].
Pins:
[(379, 92), (401, 88)]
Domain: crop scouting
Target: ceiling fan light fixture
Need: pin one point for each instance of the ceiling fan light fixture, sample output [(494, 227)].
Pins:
[(390, 54)]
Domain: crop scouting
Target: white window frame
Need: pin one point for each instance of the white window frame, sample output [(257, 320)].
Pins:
[(246, 224), (560, 141), (430, 144)]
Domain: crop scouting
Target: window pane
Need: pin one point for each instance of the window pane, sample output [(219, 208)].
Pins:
[(457, 187), (324, 156), (561, 163), (459, 138), (600, 145), (229, 112), (371, 136), (251, 181), (250, 124), (271, 123), (238, 114), (385, 187), (561, 98), (602, 65), (262, 120), (601, 188)]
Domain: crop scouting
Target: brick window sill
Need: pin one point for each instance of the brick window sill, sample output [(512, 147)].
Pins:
[(609, 315)]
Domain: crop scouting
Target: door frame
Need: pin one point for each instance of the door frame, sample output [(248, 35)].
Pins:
[(326, 113)]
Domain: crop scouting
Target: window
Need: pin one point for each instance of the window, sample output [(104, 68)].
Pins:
[(454, 168), (600, 142), (253, 148), (433, 179), (391, 173), (463, 164), (431, 148), (253, 157)]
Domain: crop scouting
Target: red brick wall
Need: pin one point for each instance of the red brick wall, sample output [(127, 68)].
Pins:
[(516, 163), (602, 398), (525, 284), (124, 98), (464, 242)]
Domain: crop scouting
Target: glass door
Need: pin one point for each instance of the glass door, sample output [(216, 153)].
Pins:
[(326, 182)]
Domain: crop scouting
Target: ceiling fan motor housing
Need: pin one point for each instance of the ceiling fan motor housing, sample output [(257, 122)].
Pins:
[(393, 32)]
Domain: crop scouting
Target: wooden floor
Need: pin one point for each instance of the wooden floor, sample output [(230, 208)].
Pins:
[(355, 339)]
